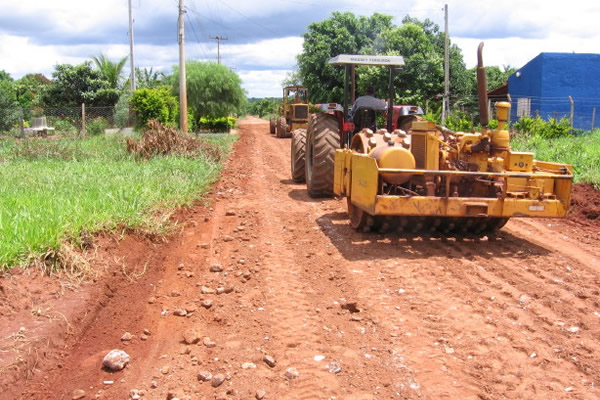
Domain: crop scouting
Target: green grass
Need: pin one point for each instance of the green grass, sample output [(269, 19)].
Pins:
[(583, 152), (56, 190)]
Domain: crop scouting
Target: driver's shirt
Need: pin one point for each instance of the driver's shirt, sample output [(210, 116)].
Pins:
[(368, 102)]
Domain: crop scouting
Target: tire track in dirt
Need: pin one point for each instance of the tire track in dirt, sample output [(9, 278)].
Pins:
[(386, 316), (474, 280)]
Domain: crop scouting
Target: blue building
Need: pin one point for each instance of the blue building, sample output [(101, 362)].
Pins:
[(543, 86)]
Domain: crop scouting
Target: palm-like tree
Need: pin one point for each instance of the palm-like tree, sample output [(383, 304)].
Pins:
[(111, 71), (147, 78)]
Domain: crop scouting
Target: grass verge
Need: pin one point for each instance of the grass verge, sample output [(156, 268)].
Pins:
[(59, 190), (583, 152)]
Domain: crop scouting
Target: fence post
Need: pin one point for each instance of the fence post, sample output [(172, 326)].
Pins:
[(21, 123), (572, 111), (593, 117), (83, 118)]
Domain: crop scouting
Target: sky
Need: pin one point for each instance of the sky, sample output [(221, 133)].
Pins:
[(265, 36)]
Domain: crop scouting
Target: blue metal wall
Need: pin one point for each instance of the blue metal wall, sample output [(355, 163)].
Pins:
[(550, 78)]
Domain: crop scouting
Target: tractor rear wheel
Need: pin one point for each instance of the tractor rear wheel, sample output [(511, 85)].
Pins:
[(281, 127), (322, 140), (298, 155), (272, 124)]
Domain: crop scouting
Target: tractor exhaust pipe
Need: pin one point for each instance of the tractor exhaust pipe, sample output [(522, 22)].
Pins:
[(482, 88)]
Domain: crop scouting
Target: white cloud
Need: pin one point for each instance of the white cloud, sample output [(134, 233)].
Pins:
[(274, 53), (514, 31), (263, 83), (20, 57)]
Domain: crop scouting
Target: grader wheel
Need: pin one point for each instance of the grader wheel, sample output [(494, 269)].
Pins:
[(281, 127), (321, 142), (272, 124), (298, 155)]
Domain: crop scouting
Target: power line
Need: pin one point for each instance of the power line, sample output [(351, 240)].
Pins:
[(196, 36)]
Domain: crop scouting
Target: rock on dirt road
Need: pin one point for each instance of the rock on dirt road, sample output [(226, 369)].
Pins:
[(302, 307)]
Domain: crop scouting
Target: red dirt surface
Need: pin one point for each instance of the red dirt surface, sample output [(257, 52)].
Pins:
[(358, 316)]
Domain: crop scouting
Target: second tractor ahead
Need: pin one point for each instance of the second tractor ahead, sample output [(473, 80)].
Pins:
[(293, 112)]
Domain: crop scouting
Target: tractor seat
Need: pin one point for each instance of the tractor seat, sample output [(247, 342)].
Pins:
[(364, 118)]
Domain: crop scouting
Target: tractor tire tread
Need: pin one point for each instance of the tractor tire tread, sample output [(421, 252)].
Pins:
[(298, 155), (323, 139)]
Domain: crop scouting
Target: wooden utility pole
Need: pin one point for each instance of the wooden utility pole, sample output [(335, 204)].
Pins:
[(446, 99), (218, 39), (131, 63), (182, 81)]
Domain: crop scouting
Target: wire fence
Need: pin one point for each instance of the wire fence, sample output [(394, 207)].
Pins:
[(21, 122), (580, 111)]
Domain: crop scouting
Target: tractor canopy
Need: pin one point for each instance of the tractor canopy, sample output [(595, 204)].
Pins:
[(356, 59)]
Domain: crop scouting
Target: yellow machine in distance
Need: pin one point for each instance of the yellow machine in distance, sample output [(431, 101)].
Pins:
[(432, 179), (293, 112)]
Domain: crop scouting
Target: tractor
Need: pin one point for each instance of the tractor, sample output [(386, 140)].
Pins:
[(427, 178), (313, 150), (293, 112)]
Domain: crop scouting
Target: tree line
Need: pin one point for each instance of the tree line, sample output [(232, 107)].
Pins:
[(420, 81), (215, 91)]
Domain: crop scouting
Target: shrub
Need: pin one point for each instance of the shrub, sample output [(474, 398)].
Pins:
[(538, 127), (224, 124), (63, 126), (155, 104), (459, 122), (96, 127)]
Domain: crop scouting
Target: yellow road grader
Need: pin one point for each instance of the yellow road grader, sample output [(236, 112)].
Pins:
[(293, 112), (424, 177)]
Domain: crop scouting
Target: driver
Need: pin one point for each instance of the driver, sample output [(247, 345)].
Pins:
[(368, 101)]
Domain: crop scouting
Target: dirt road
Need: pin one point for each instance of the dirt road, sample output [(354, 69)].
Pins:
[(282, 299)]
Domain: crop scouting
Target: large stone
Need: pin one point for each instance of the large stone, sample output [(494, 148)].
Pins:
[(208, 342), (216, 268), (270, 361), (116, 360), (217, 380), (291, 373), (204, 376), (191, 336)]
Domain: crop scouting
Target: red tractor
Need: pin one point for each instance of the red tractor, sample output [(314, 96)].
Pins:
[(313, 150)]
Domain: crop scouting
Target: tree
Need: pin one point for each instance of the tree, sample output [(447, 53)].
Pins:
[(8, 103), (421, 43), (146, 78), (74, 85), (292, 78), (5, 76), (263, 107), (342, 33), (213, 90), (111, 71), (30, 88)]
